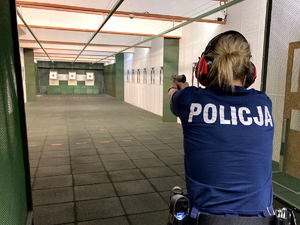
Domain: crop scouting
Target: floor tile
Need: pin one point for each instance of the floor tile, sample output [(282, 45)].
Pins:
[(34, 162), (111, 221), (55, 154), (157, 218), (143, 203), (94, 191), (87, 159), (173, 160), (124, 175), (165, 153), (54, 161), (82, 152), (119, 165), (179, 169), (113, 150), (87, 168), (90, 178), (167, 183), (162, 171), (157, 146), (56, 147), (138, 148), (48, 214), (141, 155), (133, 187), (114, 157), (52, 196), (82, 145), (35, 155), (53, 171), (98, 209), (142, 163), (53, 182)]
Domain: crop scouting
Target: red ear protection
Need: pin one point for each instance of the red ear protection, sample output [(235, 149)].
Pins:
[(202, 69), (205, 63)]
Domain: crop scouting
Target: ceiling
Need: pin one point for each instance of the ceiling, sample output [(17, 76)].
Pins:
[(63, 28)]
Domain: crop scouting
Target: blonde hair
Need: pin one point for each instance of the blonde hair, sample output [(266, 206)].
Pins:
[(231, 60)]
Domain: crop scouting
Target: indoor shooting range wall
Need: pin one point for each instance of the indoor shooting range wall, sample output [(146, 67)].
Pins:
[(282, 77)]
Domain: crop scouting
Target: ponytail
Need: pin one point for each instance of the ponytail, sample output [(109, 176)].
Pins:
[(231, 60)]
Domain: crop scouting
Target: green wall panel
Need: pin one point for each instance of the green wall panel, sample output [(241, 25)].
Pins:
[(81, 83), (110, 80), (77, 91), (30, 75), (65, 89), (89, 91), (63, 82), (120, 77), (170, 64), (64, 68), (70, 90)]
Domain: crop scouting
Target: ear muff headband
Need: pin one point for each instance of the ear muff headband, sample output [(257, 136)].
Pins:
[(205, 63), (212, 43)]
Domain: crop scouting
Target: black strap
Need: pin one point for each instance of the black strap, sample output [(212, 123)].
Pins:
[(205, 219)]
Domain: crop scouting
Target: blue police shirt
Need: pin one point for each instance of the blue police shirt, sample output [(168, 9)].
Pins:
[(228, 143)]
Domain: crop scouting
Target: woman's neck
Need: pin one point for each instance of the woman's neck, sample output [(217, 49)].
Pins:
[(237, 83)]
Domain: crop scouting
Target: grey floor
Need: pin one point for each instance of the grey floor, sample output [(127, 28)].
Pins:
[(95, 160)]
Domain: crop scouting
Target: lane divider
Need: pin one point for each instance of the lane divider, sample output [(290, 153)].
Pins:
[(55, 144), (81, 143), (102, 142)]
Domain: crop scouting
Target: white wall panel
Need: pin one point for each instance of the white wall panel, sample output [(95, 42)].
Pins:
[(23, 74), (145, 95)]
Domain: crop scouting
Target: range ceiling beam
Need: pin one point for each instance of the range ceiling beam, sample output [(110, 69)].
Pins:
[(101, 31), (64, 49), (221, 7), (69, 8), (79, 43), (20, 16), (69, 54), (116, 6)]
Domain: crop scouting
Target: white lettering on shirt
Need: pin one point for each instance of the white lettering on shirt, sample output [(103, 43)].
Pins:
[(244, 121), (259, 121), (268, 117), (222, 116), (233, 115), (213, 113), (243, 115), (193, 112)]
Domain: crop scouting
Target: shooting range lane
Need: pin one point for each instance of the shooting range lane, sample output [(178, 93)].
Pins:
[(100, 160)]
